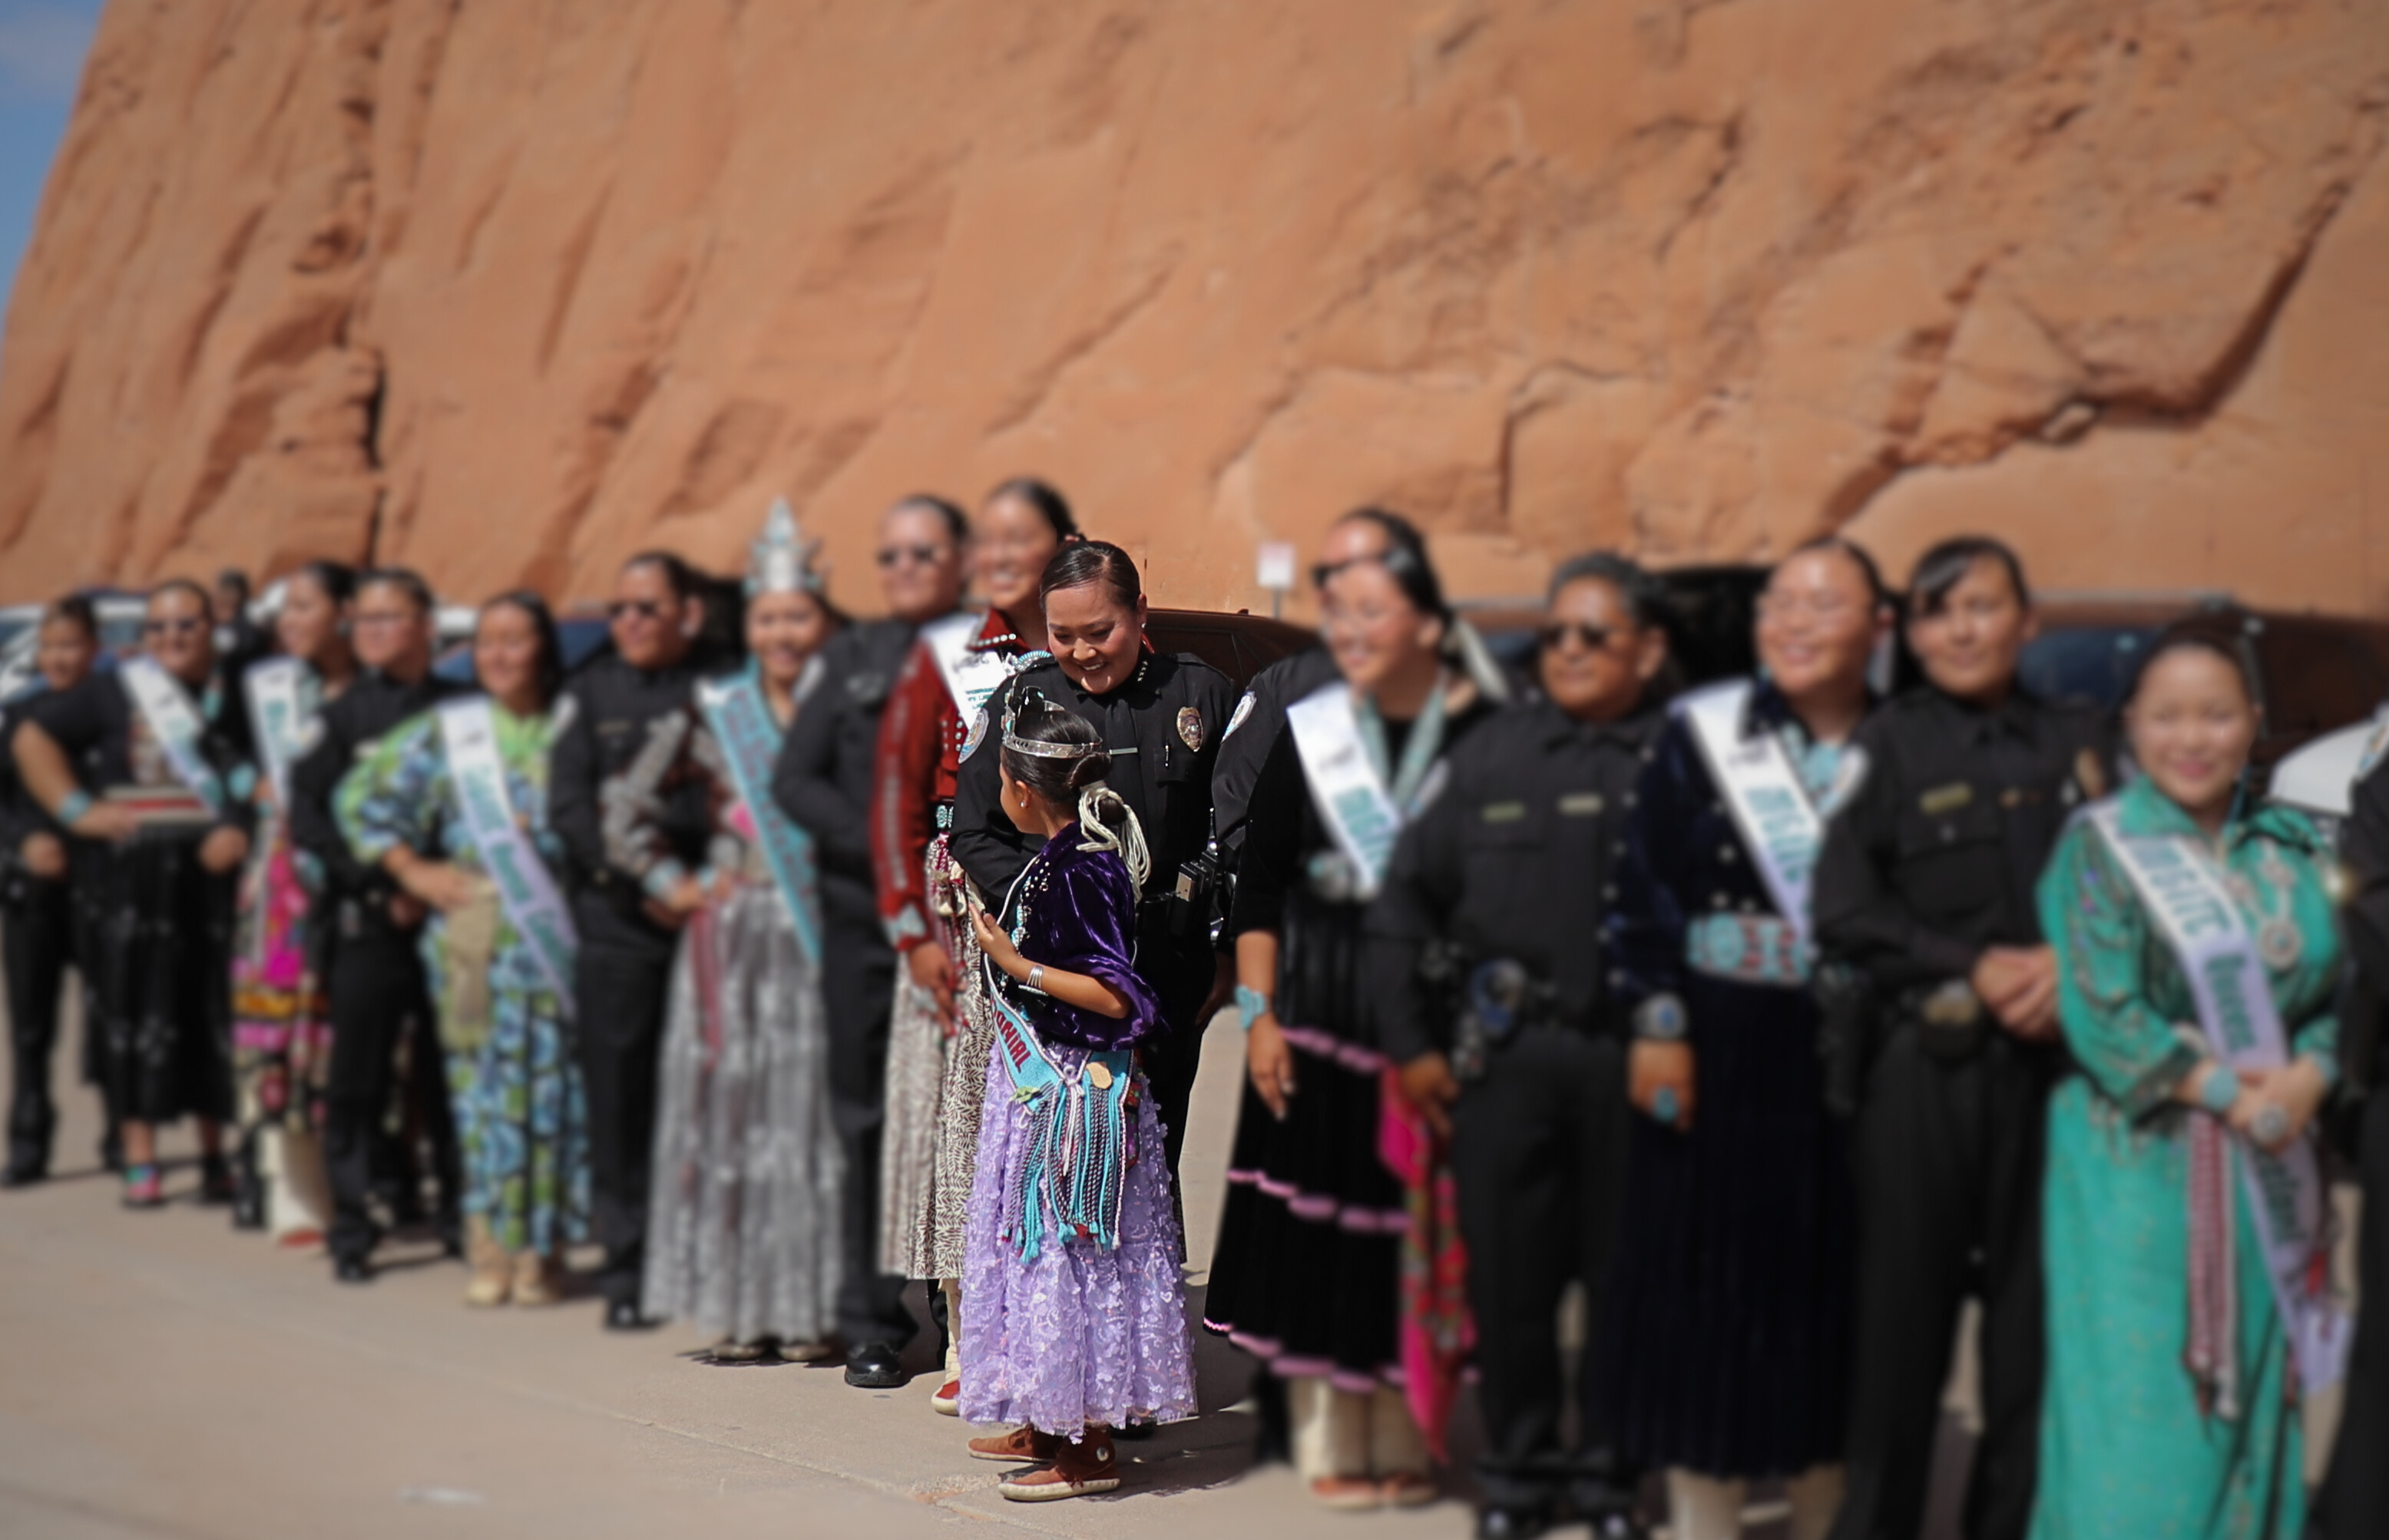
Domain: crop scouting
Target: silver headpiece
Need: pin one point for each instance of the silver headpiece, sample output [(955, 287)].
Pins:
[(780, 560), (1038, 748)]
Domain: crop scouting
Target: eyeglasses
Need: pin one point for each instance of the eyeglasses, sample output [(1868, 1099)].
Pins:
[(1593, 638), (646, 609), (185, 625), (894, 557)]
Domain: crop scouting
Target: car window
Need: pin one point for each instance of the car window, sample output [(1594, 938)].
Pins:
[(2316, 678), (2084, 663)]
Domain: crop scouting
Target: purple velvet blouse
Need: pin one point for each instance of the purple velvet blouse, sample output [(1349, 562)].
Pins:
[(1081, 913)]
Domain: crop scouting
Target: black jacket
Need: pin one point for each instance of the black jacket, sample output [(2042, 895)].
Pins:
[(608, 707), (370, 706), (1933, 857), (2363, 850), (822, 779), (1511, 860), (1256, 721)]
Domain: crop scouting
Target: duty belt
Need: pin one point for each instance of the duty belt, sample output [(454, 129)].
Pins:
[(1502, 994), (1948, 1018)]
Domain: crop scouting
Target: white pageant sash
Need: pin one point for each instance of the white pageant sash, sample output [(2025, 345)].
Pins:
[(742, 723), (1778, 825), (972, 673), (281, 718), (1353, 800), (469, 734), (174, 723), (2183, 891)]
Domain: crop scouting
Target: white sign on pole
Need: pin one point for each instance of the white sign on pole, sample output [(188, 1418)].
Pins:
[(1276, 565)]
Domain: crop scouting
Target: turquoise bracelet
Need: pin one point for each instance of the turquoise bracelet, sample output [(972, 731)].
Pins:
[(2220, 1089), (72, 808), (1251, 1005)]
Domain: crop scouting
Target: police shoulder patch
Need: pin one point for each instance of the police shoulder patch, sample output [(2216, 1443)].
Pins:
[(2376, 748), (1243, 709), (978, 733)]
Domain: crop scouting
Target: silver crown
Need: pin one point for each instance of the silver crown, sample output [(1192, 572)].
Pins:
[(1039, 749), (781, 559)]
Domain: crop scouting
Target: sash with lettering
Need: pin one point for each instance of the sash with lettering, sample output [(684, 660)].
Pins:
[(1353, 800), (1778, 825), (469, 734), (742, 723), (282, 717), (174, 723), (2178, 884), (972, 674)]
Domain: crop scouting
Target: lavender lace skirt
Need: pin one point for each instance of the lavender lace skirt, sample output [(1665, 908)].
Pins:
[(1081, 1335)]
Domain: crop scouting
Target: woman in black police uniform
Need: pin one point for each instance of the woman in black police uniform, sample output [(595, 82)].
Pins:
[(1728, 1337), (1305, 1277), (1161, 716), (1925, 888)]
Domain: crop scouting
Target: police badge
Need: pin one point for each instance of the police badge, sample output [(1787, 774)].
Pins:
[(1190, 729)]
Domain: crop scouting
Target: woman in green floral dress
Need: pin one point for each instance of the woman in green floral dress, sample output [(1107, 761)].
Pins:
[(2172, 1398), (503, 1023)]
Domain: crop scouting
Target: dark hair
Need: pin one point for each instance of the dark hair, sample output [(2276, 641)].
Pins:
[(543, 625), (958, 528), (1857, 555), (1405, 560), (2187, 639), (1040, 496), (1084, 562), (404, 578), (338, 579), (75, 610), (679, 575), (1106, 820), (1943, 567), (232, 577), (191, 586), (1646, 598)]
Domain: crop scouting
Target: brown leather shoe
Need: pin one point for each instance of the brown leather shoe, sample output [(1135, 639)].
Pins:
[(1020, 1446)]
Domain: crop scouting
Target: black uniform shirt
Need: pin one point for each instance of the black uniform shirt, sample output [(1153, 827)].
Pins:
[(2364, 849), (105, 744), (1933, 858), (822, 779), (370, 706), (1162, 727), (20, 815), (611, 705), (1512, 859)]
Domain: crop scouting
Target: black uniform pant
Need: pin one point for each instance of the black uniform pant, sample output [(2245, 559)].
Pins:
[(1949, 1156), (1181, 973), (622, 988), (2354, 1502), (379, 1001), (37, 935), (859, 989), (1539, 1151)]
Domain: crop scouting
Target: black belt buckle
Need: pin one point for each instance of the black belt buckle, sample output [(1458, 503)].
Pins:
[(1950, 1025)]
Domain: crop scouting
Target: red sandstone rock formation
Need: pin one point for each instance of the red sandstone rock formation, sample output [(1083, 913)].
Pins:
[(508, 290)]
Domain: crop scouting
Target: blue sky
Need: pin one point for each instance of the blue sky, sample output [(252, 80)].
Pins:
[(41, 47)]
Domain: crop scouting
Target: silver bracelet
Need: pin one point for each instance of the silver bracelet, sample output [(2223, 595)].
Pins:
[(1036, 979)]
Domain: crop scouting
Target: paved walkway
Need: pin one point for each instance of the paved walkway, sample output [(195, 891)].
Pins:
[(162, 1375)]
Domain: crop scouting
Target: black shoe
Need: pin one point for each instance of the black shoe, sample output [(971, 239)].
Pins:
[(1513, 1523), (452, 1240), (112, 1151), (248, 1196), (216, 1185), (351, 1269), (874, 1367), (622, 1315), (22, 1176)]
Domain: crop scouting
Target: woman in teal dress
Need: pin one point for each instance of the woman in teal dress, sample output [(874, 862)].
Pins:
[(499, 963), (2172, 1398)]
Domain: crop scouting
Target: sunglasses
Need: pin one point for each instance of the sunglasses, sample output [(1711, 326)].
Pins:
[(646, 609), (183, 627), (1593, 638), (896, 555)]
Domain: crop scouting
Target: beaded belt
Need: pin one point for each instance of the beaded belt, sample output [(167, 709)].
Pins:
[(1747, 949)]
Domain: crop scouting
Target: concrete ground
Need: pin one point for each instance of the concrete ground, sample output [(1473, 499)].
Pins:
[(164, 1376)]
